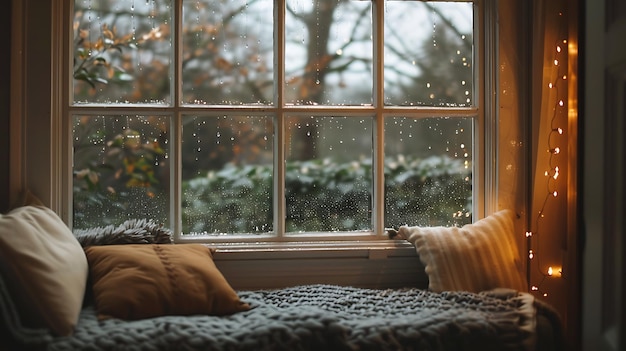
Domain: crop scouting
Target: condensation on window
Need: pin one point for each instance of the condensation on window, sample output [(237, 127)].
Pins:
[(122, 52), (228, 52), (227, 174), (328, 176), (121, 169), (429, 54), (428, 171), (328, 52)]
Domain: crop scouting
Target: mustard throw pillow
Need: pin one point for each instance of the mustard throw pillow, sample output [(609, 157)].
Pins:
[(144, 281)]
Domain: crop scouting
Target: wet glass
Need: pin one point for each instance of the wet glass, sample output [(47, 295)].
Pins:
[(227, 174), (121, 169), (429, 54), (228, 52), (328, 52), (428, 171), (328, 176), (122, 52)]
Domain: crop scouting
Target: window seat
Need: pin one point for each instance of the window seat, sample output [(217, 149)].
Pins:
[(327, 317), (172, 304)]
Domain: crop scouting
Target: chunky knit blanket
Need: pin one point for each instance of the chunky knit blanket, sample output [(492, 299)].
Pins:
[(325, 317)]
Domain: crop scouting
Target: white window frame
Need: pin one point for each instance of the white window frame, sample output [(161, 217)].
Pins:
[(46, 170)]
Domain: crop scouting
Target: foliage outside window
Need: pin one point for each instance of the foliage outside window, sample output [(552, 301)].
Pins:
[(194, 112)]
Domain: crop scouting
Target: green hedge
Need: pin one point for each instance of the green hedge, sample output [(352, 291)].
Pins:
[(322, 196), (327, 196)]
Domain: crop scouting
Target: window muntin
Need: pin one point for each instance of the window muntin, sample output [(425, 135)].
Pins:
[(226, 100)]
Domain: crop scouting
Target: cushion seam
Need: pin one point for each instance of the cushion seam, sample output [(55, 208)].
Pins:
[(170, 269)]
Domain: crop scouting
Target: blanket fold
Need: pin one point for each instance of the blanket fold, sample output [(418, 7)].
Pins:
[(328, 317)]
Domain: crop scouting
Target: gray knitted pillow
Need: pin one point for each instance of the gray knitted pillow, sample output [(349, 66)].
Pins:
[(132, 231)]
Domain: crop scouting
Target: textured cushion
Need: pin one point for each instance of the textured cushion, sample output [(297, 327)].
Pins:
[(44, 266), (476, 257), (144, 281), (132, 231)]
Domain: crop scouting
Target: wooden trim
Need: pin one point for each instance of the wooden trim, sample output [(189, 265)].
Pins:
[(622, 215), (360, 268), (614, 190), (608, 240), (16, 164), (573, 259), (5, 116), (615, 9)]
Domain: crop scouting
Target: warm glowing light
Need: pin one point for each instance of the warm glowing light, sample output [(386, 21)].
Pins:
[(555, 272), (553, 171)]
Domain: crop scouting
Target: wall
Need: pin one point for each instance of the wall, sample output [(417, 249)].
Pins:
[(513, 108), (603, 108), (5, 70)]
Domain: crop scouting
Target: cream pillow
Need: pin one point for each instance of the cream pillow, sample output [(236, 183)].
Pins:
[(476, 257), (45, 268)]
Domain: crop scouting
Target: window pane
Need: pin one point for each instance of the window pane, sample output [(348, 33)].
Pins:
[(428, 53), (121, 169), (328, 174), (428, 171), (328, 52), (125, 52), (227, 174), (228, 52), (122, 51)]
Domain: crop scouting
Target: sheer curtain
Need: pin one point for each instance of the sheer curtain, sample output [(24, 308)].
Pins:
[(513, 107), (549, 149)]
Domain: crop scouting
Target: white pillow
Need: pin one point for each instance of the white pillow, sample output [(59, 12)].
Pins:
[(45, 268), (476, 257)]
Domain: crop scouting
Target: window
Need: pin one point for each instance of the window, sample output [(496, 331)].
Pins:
[(264, 120)]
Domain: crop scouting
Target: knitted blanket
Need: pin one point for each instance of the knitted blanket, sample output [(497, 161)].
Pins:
[(325, 317)]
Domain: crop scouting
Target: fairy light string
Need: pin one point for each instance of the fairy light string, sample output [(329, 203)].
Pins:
[(552, 174)]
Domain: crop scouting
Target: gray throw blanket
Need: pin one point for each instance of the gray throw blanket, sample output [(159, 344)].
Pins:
[(325, 317), (132, 231)]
